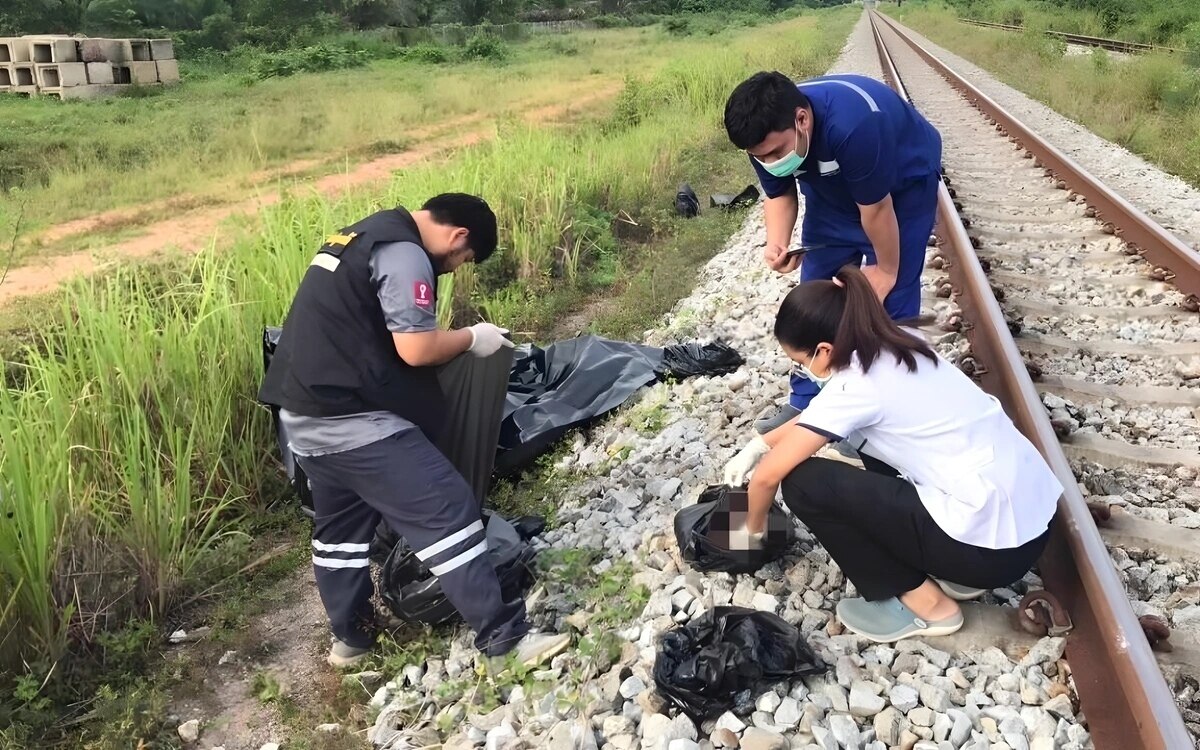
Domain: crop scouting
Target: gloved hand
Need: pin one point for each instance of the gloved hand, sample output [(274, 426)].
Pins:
[(486, 339), (743, 539), (737, 471)]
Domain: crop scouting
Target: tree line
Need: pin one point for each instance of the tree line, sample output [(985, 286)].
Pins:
[(217, 23)]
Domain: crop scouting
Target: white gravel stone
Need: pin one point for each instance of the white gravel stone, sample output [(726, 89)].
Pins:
[(903, 697)]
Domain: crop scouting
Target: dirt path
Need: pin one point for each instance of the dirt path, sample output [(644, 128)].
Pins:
[(269, 683), (201, 227)]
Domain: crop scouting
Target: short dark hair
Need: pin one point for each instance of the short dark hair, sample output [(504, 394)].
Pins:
[(848, 315), (470, 212), (762, 104)]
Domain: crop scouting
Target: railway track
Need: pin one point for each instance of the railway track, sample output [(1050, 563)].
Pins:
[(1113, 45), (1080, 316)]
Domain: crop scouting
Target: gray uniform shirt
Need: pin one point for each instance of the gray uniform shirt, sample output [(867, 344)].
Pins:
[(404, 280)]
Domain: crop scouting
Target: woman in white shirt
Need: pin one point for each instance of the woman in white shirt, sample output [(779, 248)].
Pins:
[(969, 499)]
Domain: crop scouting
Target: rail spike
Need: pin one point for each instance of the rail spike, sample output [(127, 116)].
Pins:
[(1041, 613)]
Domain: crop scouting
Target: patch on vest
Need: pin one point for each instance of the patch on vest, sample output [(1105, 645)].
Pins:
[(326, 261), (422, 294)]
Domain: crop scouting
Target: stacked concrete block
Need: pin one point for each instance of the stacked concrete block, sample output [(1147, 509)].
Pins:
[(105, 50), (14, 51), (54, 50), (143, 73), (71, 68)]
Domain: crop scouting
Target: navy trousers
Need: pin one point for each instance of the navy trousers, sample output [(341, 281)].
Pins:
[(410, 484), (916, 212)]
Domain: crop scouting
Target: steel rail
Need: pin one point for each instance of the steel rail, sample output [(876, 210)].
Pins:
[(1121, 689), (1114, 45)]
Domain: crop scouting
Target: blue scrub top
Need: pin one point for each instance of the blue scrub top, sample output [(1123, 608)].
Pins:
[(867, 143)]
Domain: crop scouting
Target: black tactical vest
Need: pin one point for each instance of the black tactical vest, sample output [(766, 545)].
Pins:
[(336, 355)]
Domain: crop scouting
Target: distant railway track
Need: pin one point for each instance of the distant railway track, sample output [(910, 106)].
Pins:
[(1113, 45), (1077, 297)]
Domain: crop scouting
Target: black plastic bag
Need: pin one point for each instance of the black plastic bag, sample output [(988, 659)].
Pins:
[(687, 360), (701, 666), (567, 385), (571, 383), (296, 476), (698, 530), (687, 203), (413, 594), (747, 197)]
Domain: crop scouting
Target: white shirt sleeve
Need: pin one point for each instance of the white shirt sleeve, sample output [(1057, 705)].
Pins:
[(847, 403)]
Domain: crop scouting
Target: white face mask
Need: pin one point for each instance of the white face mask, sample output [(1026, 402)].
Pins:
[(820, 380)]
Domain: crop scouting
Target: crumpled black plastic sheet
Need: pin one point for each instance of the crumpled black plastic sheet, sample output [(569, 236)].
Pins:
[(699, 527), (414, 594), (573, 382), (703, 665), (744, 199), (687, 360)]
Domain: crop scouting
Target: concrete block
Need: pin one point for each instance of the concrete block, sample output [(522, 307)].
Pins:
[(140, 50), (92, 91), (23, 75), (14, 50), (168, 71), (162, 49), (47, 77), (100, 73), (105, 50), (53, 50), (141, 73), (62, 75), (25, 91), (6, 78)]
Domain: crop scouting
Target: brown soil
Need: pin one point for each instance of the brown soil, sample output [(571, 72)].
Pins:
[(199, 228)]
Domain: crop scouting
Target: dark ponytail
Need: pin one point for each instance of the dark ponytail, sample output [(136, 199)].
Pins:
[(847, 314)]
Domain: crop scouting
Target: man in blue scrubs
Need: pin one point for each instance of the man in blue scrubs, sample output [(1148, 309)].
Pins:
[(868, 166)]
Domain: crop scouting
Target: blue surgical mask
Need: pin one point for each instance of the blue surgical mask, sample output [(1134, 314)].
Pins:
[(788, 165)]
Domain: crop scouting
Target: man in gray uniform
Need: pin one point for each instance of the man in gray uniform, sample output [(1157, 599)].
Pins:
[(354, 376)]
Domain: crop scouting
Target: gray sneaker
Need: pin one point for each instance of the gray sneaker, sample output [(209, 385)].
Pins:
[(959, 592), (538, 648), (342, 655), (767, 421), (889, 620)]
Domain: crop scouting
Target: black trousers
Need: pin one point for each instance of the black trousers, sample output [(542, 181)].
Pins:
[(875, 527)]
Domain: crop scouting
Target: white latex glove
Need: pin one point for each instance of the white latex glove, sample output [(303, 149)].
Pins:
[(737, 471), (486, 339), (743, 539)]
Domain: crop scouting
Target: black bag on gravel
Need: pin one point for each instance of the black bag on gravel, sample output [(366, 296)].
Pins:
[(688, 360), (702, 666), (571, 383), (413, 594), (699, 528)]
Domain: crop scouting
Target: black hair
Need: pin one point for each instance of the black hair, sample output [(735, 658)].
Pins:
[(762, 104), (470, 212), (850, 318)]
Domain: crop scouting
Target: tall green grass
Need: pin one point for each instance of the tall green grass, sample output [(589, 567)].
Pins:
[(131, 447), (1149, 104)]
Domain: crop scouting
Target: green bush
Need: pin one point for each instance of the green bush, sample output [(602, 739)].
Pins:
[(313, 59), (485, 46), (678, 25), (427, 53)]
